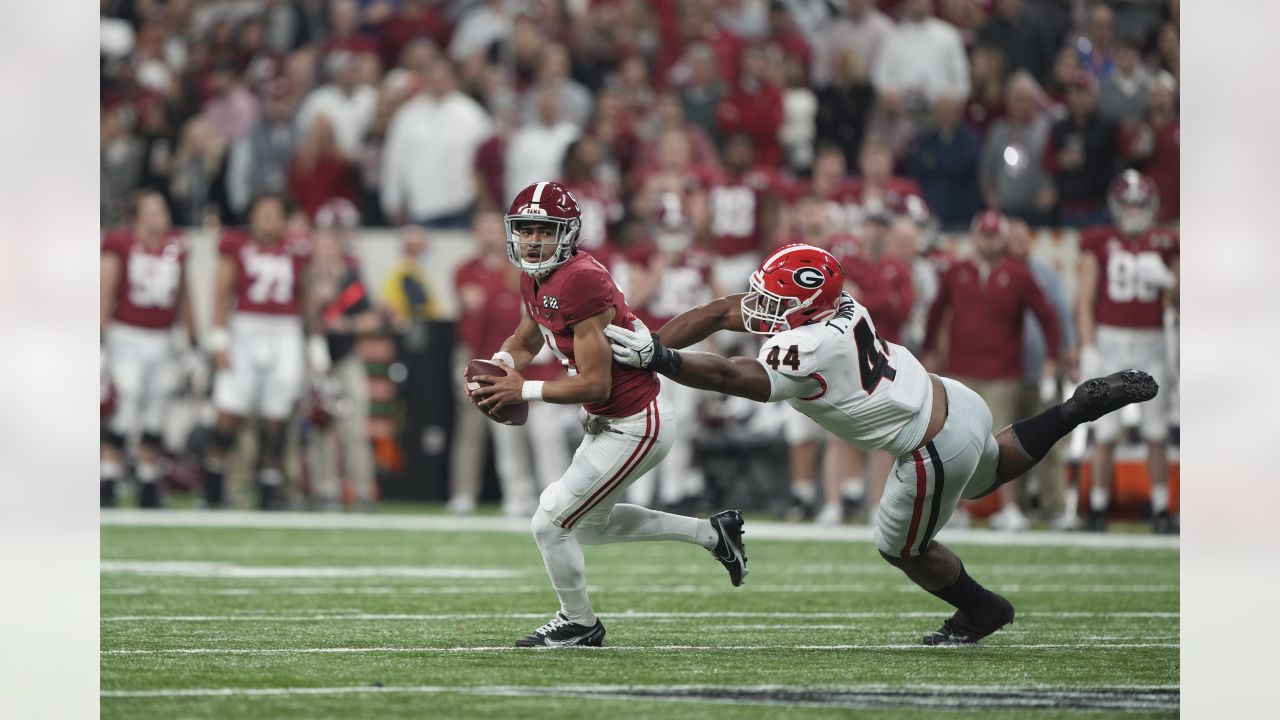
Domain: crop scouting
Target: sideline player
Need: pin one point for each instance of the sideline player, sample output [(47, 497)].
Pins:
[(258, 349), (826, 360), (569, 300), (1127, 273), (143, 292)]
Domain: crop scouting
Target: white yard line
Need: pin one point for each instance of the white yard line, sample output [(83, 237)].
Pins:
[(620, 648), (183, 568), (860, 589), (453, 617), (756, 529)]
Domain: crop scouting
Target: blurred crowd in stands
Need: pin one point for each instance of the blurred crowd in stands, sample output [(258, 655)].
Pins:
[(695, 135)]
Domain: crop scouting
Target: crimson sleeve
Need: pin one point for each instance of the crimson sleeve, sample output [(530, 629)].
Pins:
[(229, 243), (593, 293), (1035, 299), (115, 243)]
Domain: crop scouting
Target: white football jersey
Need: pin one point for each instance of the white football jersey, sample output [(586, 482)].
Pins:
[(870, 393)]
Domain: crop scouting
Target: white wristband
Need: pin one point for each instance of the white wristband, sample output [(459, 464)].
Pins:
[(505, 357), (219, 340), (531, 390), (318, 353)]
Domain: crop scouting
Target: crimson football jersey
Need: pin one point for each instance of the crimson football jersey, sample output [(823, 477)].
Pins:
[(685, 283), (267, 278), (734, 204), (844, 208), (575, 291), (147, 293), (884, 288), (1124, 299)]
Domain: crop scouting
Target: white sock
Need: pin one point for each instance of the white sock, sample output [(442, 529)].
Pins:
[(148, 473), (1159, 498), (1097, 497), (854, 489), (805, 491), (110, 470), (633, 523)]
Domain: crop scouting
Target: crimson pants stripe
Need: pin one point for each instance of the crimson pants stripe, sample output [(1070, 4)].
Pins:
[(637, 456), (936, 506), (922, 486)]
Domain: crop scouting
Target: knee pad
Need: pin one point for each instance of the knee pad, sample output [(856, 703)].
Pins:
[(112, 439), (271, 446), (153, 440)]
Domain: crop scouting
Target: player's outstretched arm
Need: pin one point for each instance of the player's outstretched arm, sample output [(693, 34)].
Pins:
[(694, 325), (741, 376)]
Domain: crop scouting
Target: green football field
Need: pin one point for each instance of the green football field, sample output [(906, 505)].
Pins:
[(308, 616)]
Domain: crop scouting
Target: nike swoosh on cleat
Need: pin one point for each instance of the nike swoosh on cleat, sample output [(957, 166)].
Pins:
[(571, 641)]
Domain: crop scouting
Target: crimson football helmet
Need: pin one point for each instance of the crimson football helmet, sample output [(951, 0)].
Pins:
[(544, 203), (796, 285), (989, 222), (1133, 201)]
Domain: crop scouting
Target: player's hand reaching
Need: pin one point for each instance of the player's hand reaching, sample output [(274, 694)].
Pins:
[(633, 347), (641, 348), (498, 391)]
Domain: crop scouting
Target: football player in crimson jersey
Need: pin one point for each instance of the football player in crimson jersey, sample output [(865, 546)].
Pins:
[(1128, 273), (143, 293), (742, 211), (825, 358), (258, 348), (569, 298)]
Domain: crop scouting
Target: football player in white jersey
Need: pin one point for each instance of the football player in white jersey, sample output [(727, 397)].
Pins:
[(826, 360)]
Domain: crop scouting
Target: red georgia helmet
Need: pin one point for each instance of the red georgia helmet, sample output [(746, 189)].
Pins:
[(796, 285), (543, 203), (1133, 201)]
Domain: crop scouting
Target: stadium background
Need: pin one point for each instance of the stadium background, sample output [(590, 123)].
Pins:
[(181, 80)]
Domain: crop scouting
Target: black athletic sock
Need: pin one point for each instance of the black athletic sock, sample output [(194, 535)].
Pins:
[(212, 487), (1037, 434), (965, 594)]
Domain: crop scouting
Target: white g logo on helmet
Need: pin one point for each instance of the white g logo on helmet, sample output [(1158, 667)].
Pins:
[(808, 277)]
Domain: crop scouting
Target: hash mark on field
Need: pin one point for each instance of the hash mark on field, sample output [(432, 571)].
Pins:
[(941, 697), (623, 648), (610, 616)]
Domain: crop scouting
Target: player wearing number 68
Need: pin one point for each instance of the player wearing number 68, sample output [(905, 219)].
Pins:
[(825, 358)]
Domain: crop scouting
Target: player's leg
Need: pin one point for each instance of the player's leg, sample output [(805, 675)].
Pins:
[(278, 400), (842, 473), (353, 430), (922, 493), (802, 435), (514, 463), (111, 464), (221, 441), (322, 467), (470, 440), (128, 376), (546, 431), (270, 472), (1001, 397), (150, 452), (161, 380)]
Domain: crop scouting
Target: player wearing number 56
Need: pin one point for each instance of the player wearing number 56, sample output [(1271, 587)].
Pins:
[(825, 358), (257, 343)]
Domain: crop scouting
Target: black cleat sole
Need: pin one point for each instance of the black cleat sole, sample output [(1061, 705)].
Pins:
[(1099, 396)]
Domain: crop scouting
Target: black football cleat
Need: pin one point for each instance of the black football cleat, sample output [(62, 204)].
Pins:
[(149, 496), (1096, 521), (107, 493), (562, 633), (1165, 523), (960, 629), (730, 550), (1099, 396)]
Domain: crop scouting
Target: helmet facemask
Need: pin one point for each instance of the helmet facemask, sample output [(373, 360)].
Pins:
[(566, 238), (771, 312)]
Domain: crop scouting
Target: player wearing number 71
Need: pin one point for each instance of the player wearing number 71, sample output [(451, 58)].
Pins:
[(825, 358)]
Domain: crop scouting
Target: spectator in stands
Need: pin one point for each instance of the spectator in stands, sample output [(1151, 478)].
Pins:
[(675, 184), (344, 30), (1026, 43), (406, 294), (945, 162), (681, 22), (668, 115), (1122, 98), (632, 83), (553, 74), (588, 174), (790, 42), (194, 169), (1066, 67), (414, 19), (1081, 155), (1154, 146), (1036, 394), (320, 171), (985, 299), (1010, 174), (120, 167), (338, 441), (602, 39), (851, 43), (922, 59), (1168, 50), (1096, 46), (615, 129), (844, 105), (877, 188), (536, 149), (427, 160), (754, 107), (701, 88), (231, 110), (799, 115), (349, 105), (748, 19), (259, 162), (986, 104), (481, 27)]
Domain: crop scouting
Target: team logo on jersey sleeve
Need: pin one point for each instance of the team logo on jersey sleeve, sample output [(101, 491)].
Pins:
[(808, 277)]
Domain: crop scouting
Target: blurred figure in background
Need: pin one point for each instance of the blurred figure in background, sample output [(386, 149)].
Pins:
[(979, 309), (349, 105), (944, 161), (1128, 273), (742, 209), (1154, 145), (1039, 392), (259, 162), (144, 296), (1082, 156), (321, 171), (257, 343), (338, 442), (921, 59), (406, 294), (1010, 173)]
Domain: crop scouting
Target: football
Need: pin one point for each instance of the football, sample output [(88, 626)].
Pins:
[(516, 414)]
